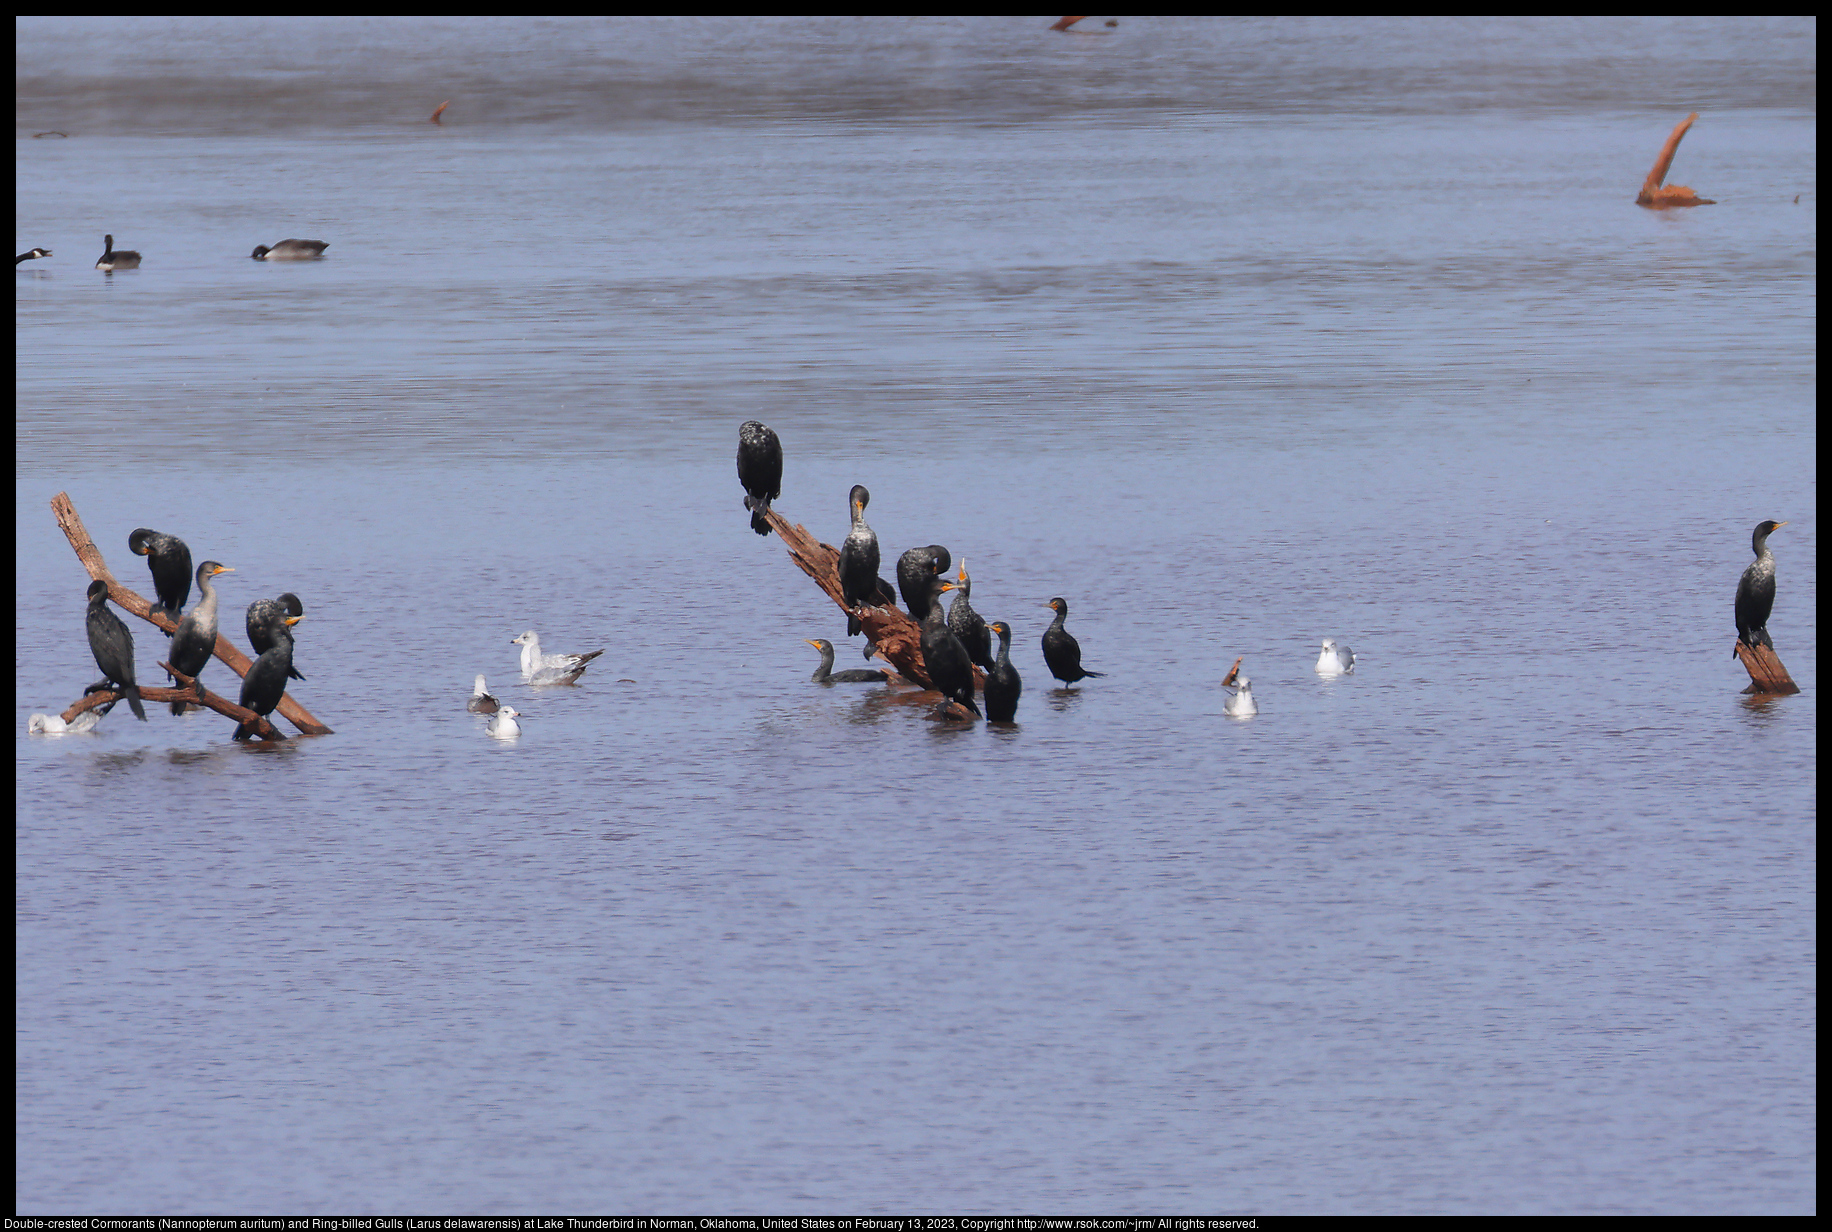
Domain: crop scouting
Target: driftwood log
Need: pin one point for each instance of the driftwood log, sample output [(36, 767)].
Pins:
[(1656, 194), (1766, 674), (897, 636), (237, 662)]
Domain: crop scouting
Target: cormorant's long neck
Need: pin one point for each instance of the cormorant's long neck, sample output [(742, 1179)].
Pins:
[(826, 668), (1060, 617), (206, 606)]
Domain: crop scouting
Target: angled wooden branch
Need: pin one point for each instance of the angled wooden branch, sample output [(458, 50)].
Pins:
[(237, 662), (1656, 197), (156, 695), (1766, 674)]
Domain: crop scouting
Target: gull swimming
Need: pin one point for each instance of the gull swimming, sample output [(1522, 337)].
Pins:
[(1335, 660), (481, 702), (54, 725), (503, 725), (1240, 703), (538, 668)]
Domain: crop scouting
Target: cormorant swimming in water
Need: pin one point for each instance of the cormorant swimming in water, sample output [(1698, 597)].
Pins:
[(170, 562), (858, 561), (113, 647), (1060, 649), (759, 470), (1002, 683), (968, 625), (194, 641), (914, 569), (481, 702), (33, 256), (824, 674), (111, 261), (943, 656), (262, 614), (1756, 592), (1240, 703), (1335, 660), (265, 682), (291, 250)]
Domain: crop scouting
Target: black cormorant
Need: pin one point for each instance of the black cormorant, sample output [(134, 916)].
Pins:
[(858, 561), (1002, 683), (291, 250), (32, 255), (968, 625), (943, 656), (1756, 592), (759, 470), (824, 674), (914, 569), (113, 647), (194, 641), (112, 260), (265, 682), (170, 562), (262, 613), (1060, 649)]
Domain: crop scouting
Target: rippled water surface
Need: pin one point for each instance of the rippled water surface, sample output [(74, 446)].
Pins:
[(1235, 334)]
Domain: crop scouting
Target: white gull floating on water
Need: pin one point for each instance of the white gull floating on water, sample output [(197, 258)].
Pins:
[(1240, 703), (481, 702), (54, 725), (538, 668), (503, 725), (1335, 660)]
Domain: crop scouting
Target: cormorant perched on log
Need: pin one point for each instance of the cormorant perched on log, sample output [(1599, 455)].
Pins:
[(1060, 649), (1756, 592), (262, 614), (170, 562), (759, 470), (824, 674), (265, 683), (914, 569), (113, 647), (943, 656), (968, 624), (194, 641), (858, 560), (1002, 683)]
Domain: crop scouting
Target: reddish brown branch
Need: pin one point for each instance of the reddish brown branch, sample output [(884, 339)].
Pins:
[(1653, 194), (1766, 674), (154, 695)]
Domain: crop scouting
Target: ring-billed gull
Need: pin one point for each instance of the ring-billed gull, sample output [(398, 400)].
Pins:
[(1240, 703), (1335, 660), (503, 725), (538, 668)]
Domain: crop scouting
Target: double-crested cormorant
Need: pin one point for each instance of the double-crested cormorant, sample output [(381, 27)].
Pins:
[(1335, 660), (968, 625), (1002, 683), (943, 656), (858, 561), (538, 668), (914, 569), (759, 470), (1756, 592), (1060, 649), (1240, 702), (503, 725), (262, 614), (265, 683), (194, 641), (824, 674), (291, 250), (32, 256), (481, 702), (111, 260), (113, 647), (170, 562)]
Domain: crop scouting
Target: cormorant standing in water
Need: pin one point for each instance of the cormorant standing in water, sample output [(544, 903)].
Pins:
[(858, 561), (194, 641), (1756, 592), (1002, 683), (1060, 649), (262, 613), (824, 674), (914, 569), (943, 656), (759, 470), (265, 682), (968, 625), (170, 562), (113, 647)]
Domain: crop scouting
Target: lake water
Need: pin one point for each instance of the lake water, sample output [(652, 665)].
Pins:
[(1237, 334)]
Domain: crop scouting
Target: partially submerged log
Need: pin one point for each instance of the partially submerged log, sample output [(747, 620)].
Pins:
[(1233, 673), (897, 636), (237, 662), (1653, 194), (185, 692), (1766, 674)]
